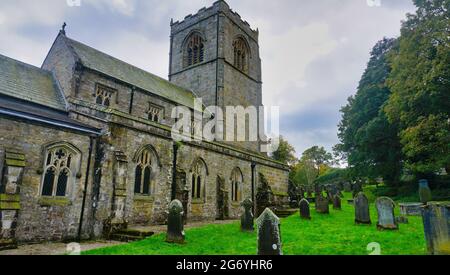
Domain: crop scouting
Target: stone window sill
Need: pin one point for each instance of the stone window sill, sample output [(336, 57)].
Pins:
[(198, 201), (143, 198), (54, 201)]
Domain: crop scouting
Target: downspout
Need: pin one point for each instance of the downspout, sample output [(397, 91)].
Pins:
[(253, 186), (86, 182), (174, 171)]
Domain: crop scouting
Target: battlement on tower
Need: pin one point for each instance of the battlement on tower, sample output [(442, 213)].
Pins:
[(218, 7)]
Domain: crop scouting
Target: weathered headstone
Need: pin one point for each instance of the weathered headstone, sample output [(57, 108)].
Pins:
[(322, 205), (247, 216), (337, 204), (362, 214), (175, 224), (347, 187), (386, 217), (269, 235), (436, 221), (305, 212), (411, 209), (424, 191)]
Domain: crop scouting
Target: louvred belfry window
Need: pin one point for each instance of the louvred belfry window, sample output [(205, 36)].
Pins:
[(195, 50), (241, 55)]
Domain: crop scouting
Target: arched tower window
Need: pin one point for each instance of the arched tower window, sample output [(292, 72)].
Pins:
[(241, 54), (143, 173), (60, 169), (236, 185), (199, 172), (194, 51)]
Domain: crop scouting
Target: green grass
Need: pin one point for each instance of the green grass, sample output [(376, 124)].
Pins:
[(334, 234)]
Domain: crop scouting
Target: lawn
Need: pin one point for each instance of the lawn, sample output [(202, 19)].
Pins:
[(334, 234)]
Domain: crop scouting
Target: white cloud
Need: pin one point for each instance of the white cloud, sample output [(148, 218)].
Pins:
[(125, 7)]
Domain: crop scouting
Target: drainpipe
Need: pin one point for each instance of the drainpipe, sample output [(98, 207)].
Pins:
[(253, 186), (174, 171), (86, 182)]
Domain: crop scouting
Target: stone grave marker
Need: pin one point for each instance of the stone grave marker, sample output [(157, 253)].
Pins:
[(337, 204), (362, 213), (269, 235), (322, 205), (424, 191), (386, 217), (247, 217), (175, 224), (436, 221), (305, 212)]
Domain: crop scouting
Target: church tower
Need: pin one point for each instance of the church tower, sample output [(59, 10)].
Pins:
[(215, 53)]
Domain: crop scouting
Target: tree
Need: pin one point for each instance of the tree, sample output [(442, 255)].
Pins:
[(318, 157), (420, 85), (369, 142), (285, 152)]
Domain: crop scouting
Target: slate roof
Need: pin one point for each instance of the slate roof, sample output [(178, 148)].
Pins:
[(32, 93), (26, 82), (111, 66)]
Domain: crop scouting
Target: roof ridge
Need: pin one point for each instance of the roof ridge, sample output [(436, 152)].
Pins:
[(128, 64)]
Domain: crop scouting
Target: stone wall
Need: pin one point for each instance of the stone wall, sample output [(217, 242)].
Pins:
[(43, 219)]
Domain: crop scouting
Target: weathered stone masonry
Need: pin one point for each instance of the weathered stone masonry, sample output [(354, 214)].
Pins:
[(90, 150)]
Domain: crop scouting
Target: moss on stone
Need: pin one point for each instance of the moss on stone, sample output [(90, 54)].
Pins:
[(52, 201)]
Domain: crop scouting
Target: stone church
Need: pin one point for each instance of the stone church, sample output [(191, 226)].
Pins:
[(85, 140)]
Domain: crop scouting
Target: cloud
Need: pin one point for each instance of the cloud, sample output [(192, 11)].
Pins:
[(313, 51)]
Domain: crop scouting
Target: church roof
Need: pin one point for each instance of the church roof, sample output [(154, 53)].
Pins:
[(111, 66), (29, 83)]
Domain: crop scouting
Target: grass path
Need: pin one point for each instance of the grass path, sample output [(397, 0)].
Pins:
[(334, 234)]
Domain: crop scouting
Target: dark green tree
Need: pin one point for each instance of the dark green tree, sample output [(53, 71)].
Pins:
[(369, 142), (420, 85), (318, 157)]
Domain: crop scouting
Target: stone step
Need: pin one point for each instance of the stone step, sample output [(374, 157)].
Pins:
[(284, 213), (130, 235)]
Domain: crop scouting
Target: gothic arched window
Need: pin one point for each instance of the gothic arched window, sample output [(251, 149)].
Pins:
[(236, 185), (59, 170), (143, 173), (194, 50), (241, 54), (198, 179)]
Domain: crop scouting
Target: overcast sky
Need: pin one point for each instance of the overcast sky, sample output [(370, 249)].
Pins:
[(313, 51)]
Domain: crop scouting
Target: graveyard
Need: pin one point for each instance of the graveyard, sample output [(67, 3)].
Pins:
[(325, 234)]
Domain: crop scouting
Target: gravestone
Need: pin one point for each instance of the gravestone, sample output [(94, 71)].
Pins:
[(322, 205), (264, 195), (436, 221), (337, 205), (347, 187), (411, 209), (305, 212), (386, 217), (424, 191), (247, 216), (175, 223), (362, 214), (269, 235)]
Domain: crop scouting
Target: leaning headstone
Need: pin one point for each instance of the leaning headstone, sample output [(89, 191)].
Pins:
[(269, 235), (411, 209), (386, 217), (362, 214), (175, 224), (337, 204), (305, 212), (322, 205), (424, 191), (247, 216), (436, 221)]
